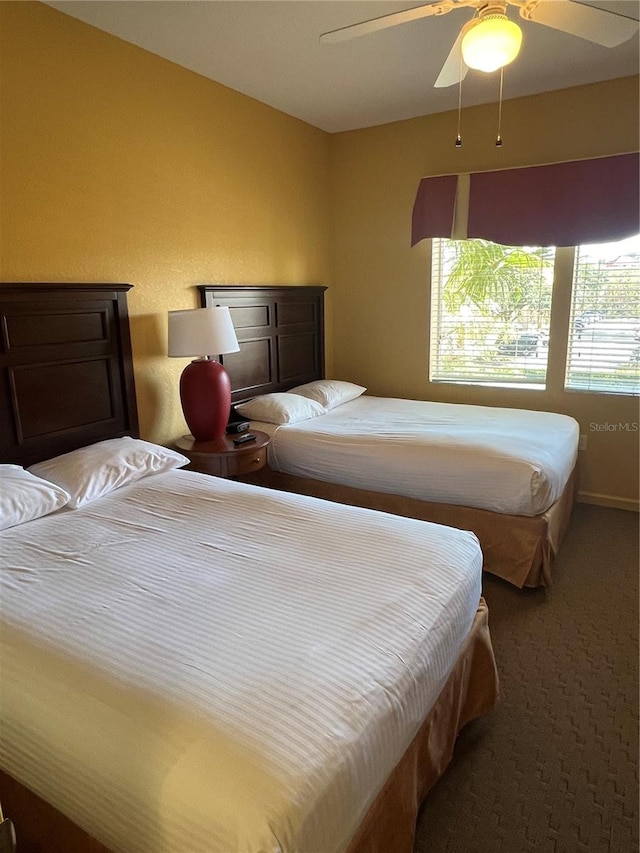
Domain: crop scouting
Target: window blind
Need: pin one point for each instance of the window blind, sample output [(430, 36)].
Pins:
[(490, 313), (604, 341)]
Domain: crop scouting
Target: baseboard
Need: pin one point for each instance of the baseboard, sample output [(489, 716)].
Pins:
[(607, 500)]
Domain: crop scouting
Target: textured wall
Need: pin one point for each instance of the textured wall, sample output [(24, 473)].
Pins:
[(120, 166)]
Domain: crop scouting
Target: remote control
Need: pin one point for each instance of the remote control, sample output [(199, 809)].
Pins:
[(247, 436)]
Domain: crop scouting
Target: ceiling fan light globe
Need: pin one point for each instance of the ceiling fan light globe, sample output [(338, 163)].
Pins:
[(491, 43)]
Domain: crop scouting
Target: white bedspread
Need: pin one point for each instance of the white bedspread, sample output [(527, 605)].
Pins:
[(510, 461), (200, 666)]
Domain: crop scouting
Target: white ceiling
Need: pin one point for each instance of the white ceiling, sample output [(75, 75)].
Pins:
[(269, 50)]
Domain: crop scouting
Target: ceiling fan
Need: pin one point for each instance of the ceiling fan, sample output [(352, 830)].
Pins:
[(490, 40)]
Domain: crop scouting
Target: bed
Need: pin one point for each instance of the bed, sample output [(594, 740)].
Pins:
[(509, 475), (195, 664)]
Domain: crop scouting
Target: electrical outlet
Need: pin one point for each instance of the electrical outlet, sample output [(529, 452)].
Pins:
[(582, 444)]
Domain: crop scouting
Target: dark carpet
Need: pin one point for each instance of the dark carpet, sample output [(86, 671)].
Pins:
[(554, 769)]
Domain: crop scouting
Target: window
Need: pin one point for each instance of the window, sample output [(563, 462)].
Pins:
[(491, 312), (604, 341)]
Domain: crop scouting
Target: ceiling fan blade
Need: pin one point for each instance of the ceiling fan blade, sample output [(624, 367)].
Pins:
[(454, 69), (586, 22), (392, 20)]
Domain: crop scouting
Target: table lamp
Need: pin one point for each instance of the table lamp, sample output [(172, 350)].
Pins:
[(205, 388)]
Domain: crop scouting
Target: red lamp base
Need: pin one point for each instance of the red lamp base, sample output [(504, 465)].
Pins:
[(205, 393)]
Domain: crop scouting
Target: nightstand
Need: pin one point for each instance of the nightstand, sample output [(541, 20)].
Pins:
[(222, 458)]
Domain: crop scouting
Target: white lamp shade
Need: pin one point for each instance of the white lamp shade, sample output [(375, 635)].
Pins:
[(201, 332), (491, 43)]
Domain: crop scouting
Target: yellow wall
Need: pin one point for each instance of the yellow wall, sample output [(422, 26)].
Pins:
[(380, 285), (118, 166)]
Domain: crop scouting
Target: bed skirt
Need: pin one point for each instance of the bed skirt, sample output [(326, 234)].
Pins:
[(517, 548), (388, 827), (471, 690)]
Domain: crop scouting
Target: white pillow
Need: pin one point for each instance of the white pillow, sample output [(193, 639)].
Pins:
[(280, 408), (329, 392), (23, 496), (94, 471)]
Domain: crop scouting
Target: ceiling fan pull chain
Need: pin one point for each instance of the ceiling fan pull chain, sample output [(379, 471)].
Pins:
[(499, 137), (458, 137)]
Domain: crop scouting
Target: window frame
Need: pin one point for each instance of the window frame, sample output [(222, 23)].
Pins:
[(557, 368)]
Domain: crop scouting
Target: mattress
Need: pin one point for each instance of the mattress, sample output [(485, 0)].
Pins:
[(193, 664), (511, 461)]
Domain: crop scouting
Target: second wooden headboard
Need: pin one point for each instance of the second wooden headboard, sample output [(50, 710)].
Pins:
[(281, 335)]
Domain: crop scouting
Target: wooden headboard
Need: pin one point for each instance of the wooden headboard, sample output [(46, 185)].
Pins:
[(66, 369), (281, 335)]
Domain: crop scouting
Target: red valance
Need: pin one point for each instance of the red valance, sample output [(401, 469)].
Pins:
[(434, 208), (562, 204)]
